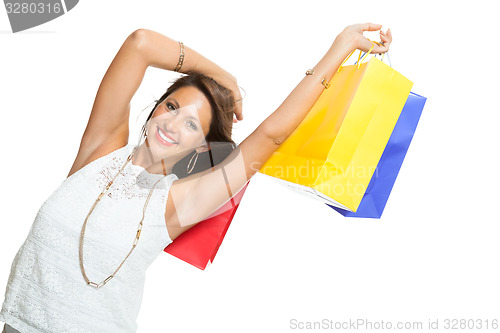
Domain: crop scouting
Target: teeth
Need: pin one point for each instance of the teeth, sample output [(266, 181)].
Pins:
[(164, 137)]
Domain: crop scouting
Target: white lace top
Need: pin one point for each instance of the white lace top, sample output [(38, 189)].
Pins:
[(46, 291)]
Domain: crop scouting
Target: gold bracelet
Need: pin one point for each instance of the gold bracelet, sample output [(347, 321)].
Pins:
[(323, 82), (181, 58)]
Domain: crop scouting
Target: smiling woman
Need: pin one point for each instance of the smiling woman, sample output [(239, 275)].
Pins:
[(80, 269), (194, 112)]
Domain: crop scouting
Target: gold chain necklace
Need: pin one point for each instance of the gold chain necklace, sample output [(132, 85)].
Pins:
[(139, 228)]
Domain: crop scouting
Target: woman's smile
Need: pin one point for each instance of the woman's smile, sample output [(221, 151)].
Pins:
[(164, 138)]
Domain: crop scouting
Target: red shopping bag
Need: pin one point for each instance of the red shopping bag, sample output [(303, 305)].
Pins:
[(199, 244)]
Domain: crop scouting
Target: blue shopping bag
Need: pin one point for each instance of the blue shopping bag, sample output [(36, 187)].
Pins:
[(375, 198)]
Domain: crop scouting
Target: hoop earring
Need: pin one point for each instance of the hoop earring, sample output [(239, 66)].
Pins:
[(196, 159)]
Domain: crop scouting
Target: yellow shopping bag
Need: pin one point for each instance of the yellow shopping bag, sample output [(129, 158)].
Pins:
[(335, 150)]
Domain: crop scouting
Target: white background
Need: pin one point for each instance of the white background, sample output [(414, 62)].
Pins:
[(433, 255)]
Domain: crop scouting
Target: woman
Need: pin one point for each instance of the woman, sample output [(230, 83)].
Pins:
[(155, 190)]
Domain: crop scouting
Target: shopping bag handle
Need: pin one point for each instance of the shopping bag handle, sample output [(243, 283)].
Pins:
[(381, 57), (360, 57)]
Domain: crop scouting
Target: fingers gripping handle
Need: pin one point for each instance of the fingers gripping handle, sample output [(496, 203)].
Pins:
[(360, 57), (383, 54)]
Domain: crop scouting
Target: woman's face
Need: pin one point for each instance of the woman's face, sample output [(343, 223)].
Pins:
[(180, 123)]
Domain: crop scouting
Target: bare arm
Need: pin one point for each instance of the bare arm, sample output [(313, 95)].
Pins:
[(157, 49), (193, 198), (281, 123), (108, 125)]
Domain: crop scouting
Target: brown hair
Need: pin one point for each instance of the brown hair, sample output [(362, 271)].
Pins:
[(219, 135)]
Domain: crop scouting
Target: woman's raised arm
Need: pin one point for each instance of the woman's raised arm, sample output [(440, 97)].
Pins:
[(157, 49), (108, 125), (193, 198)]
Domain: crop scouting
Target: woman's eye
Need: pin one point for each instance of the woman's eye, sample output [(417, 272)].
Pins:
[(170, 107), (192, 126)]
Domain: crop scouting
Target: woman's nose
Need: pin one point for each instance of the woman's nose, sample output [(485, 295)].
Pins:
[(171, 124)]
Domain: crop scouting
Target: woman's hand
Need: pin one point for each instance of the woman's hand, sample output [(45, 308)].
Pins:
[(238, 109), (229, 81), (352, 38)]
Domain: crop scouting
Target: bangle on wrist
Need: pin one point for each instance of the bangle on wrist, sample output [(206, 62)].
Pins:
[(181, 58), (323, 82)]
